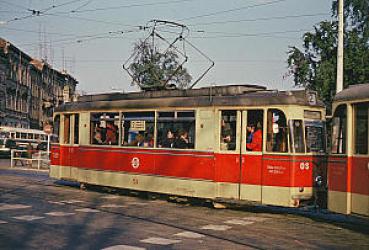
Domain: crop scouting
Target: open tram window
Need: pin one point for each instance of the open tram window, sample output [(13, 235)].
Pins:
[(254, 130), (66, 135), (176, 129), (297, 136), (361, 128), (138, 129), (56, 128), (228, 130), (276, 131), (339, 126), (104, 128), (76, 129)]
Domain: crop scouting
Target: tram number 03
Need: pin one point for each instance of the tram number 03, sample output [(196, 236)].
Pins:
[(304, 165), (135, 181)]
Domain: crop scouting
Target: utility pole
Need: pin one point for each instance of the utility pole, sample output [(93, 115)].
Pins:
[(339, 86)]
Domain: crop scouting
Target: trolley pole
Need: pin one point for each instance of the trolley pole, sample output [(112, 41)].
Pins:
[(339, 86)]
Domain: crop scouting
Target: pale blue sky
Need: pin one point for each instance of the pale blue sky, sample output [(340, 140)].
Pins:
[(247, 40)]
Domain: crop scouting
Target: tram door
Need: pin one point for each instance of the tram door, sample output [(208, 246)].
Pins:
[(69, 139), (251, 155)]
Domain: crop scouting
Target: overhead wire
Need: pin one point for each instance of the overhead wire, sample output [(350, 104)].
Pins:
[(131, 6), (259, 19), (233, 10)]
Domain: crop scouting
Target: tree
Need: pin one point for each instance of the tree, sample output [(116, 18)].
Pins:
[(314, 67), (153, 70)]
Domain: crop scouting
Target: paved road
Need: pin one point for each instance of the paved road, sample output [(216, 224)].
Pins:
[(38, 213)]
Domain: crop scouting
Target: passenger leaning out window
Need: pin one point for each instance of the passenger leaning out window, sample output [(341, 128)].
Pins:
[(254, 138)]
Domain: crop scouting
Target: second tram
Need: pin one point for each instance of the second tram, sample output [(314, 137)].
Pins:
[(196, 143), (348, 164)]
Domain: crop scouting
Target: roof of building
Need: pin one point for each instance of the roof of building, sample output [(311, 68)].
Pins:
[(37, 63)]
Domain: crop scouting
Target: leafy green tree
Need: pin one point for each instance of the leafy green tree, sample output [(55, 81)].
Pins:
[(153, 70), (314, 67)]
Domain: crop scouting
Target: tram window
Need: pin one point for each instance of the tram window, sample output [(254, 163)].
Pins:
[(276, 131), (339, 130), (176, 129), (361, 128), (56, 128), (228, 130), (138, 129), (76, 129), (254, 130), (315, 136), (66, 137), (104, 128), (297, 136)]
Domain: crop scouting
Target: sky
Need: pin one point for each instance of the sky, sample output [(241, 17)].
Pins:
[(91, 39)]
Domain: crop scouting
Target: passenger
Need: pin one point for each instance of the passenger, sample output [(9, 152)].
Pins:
[(254, 140), (138, 141), (97, 138), (226, 133), (111, 134), (149, 141), (168, 142), (182, 140)]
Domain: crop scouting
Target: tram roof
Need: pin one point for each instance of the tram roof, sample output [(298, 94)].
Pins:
[(231, 95), (353, 92)]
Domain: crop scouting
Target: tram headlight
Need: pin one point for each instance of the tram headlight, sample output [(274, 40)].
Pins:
[(319, 180)]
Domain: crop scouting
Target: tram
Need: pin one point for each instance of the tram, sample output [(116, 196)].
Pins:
[(348, 163), (195, 143)]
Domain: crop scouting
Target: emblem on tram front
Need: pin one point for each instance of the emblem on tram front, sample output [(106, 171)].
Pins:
[(135, 162)]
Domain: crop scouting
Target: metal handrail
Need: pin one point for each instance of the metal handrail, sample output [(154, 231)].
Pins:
[(42, 158)]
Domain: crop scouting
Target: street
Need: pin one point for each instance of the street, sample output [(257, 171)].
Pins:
[(37, 212)]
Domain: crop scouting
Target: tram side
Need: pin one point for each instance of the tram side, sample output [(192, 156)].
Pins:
[(348, 164), (120, 146)]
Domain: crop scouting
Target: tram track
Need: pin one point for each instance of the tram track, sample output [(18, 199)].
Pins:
[(15, 191), (291, 220)]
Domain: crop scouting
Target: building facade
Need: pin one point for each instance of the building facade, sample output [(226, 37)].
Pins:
[(30, 89)]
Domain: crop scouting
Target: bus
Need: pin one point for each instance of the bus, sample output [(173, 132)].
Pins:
[(19, 138), (348, 163), (196, 143)]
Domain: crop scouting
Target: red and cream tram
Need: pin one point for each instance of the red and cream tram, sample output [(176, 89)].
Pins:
[(348, 164), (195, 143)]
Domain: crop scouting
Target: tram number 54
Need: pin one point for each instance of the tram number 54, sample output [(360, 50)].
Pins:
[(304, 165), (135, 181)]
